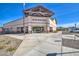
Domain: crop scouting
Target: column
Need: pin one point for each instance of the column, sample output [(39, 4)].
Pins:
[(48, 29), (29, 29)]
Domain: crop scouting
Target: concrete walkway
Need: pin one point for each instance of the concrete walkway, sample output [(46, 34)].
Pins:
[(40, 45), (67, 51)]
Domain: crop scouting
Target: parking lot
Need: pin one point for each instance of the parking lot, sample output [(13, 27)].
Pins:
[(71, 40)]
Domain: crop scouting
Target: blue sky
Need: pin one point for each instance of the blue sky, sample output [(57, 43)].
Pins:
[(65, 13)]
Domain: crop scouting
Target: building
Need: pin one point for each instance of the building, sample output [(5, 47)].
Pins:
[(1, 30), (36, 19)]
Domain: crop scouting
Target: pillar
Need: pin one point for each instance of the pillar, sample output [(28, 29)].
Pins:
[(29, 29), (48, 29), (54, 28)]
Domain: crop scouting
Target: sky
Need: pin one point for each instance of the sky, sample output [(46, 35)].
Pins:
[(66, 14)]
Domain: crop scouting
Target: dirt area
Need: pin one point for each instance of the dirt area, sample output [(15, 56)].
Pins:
[(8, 45)]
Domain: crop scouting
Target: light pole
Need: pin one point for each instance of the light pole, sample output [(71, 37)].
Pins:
[(23, 18), (75, 33), (61, 44)]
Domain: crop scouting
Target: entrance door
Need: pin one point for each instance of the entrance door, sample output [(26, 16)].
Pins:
[(26, 29), (38, 29), (22, 30)]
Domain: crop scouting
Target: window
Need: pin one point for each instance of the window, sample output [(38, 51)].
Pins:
[(34, 14)]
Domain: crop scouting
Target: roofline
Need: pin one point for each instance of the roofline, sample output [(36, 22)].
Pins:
[(37, 6), (13, 21)]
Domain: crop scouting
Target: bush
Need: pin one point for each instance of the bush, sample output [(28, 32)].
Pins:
[(54, 31), (8, 42), (2, 47), (10, 49)]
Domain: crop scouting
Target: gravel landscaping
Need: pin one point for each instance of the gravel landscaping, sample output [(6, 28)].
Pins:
[(8, 45)]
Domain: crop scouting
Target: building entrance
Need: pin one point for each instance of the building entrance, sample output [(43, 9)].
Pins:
[(38, 29), (26, 30)]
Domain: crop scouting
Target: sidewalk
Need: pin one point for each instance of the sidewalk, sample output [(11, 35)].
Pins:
[(40, 45)]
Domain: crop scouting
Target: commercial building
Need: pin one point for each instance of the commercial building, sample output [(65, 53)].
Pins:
[(1, 30), (36, 19)]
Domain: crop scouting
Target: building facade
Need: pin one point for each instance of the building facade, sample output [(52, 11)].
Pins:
[(36, 19), (1, 30)]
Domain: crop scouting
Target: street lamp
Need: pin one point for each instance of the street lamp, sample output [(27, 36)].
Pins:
[(75, 34), (23, 18)]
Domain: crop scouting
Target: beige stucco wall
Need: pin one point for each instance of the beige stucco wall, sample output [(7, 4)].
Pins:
[(42, 21), (29, 21)]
